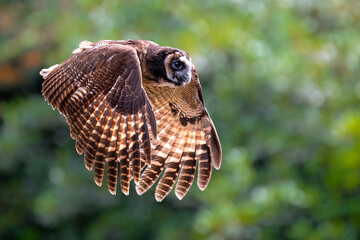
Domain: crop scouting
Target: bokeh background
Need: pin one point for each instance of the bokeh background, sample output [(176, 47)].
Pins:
[(280, 80)]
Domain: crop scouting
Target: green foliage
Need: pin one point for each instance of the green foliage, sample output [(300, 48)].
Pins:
[(280, 80)]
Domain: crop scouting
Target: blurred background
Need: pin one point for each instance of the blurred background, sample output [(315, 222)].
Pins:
[(280, 80)]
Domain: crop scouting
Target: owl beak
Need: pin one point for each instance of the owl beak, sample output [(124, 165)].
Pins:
[(184, 77), (187, 79)]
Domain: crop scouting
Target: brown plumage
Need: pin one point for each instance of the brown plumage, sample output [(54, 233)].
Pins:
[(138, 107)]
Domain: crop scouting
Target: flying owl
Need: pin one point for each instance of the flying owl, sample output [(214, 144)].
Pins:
[(139, 108)]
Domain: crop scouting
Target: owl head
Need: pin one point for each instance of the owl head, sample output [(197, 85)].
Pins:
[(168, 66)]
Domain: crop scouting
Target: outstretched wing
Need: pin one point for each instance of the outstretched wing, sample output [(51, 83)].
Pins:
[(186, 137), (99, 90)]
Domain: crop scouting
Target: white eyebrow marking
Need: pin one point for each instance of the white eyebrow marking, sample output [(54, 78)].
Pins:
[(186, 61)]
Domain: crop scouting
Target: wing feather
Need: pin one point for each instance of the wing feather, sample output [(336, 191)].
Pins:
[(93, 147), (202, 155), (188, 165), (214, 145), (88, 134), (52, 78), (99, 90), (89, 117), (181, 108), (124, 159), (135, 150), (172, 167), (111, 157), (79, 110), (161, 151), (145, 143)]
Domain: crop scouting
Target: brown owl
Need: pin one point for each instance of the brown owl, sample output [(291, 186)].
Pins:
[(139, 108)]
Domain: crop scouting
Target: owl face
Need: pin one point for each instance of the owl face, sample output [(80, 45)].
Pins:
[(167, 66), (178, 69)]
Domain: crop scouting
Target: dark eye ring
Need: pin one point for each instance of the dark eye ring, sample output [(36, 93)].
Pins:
[(177, 65)]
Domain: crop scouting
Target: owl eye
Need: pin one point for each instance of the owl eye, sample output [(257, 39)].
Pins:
[(177, 65)]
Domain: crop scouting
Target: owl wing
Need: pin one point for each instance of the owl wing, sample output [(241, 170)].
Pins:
[(99, 90), (186, 138)]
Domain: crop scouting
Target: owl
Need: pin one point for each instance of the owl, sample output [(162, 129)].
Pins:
[(137, 108)]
